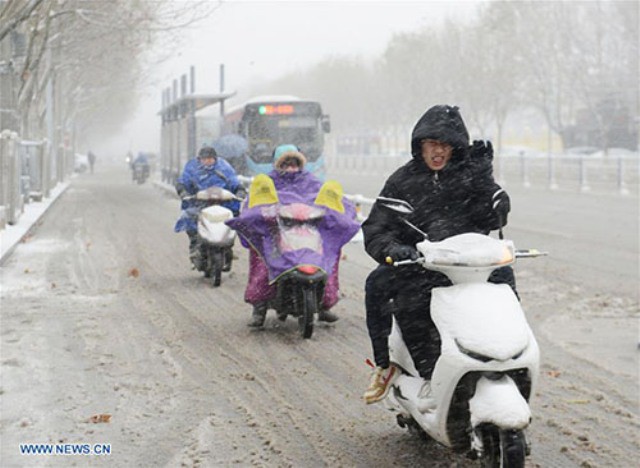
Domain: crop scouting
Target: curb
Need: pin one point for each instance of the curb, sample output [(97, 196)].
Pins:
[(4, 256), (169, 189)]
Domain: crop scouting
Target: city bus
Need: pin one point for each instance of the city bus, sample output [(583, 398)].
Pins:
[(266, 122)]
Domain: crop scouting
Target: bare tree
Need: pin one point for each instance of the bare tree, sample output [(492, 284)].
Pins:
[(94, 52), (565, 59), (13, 13)]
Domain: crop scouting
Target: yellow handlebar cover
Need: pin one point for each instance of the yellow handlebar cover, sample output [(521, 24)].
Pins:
[(262, 191), (330, 195)]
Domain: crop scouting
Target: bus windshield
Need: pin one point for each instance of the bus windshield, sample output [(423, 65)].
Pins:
[(267, 132)]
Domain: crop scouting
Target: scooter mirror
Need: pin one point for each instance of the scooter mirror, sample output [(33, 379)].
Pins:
[(396, 205)]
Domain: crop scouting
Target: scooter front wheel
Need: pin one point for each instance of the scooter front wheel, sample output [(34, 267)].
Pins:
[(503, 448)]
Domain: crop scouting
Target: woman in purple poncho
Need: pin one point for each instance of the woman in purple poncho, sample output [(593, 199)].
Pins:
[(290, 176)]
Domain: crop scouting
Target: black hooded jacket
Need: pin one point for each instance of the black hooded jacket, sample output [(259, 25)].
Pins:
[(454, 200)]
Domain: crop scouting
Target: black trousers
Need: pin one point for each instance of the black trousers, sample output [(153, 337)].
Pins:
[(405, 293), (193, 240)]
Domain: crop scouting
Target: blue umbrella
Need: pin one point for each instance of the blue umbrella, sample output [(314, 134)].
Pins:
[(231, 146)]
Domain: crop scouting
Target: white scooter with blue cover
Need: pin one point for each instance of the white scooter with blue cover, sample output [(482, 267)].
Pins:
[(489, 361), (215, 238)]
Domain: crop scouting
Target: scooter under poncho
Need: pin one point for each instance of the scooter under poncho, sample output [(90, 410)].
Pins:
[(289, 228)]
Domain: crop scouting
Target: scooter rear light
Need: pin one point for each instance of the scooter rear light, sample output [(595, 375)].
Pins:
[(218, 217), (300, 212), (308, 269)]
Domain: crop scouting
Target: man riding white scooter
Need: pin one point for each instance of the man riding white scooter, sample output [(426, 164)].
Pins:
[(208, 170), (451, 188)]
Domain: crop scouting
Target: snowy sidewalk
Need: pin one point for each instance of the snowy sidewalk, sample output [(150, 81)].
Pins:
[(11, 235)]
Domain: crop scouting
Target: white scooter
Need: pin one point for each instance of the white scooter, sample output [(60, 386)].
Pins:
[(215, 238), (489, 361)]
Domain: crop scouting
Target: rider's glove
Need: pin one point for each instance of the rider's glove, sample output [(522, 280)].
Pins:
[(501, 205), (399, 252), (482, 150), (481, 158), (182, 191), (241, 192)]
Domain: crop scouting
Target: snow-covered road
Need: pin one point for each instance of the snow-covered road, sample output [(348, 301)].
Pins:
[(101, 314)]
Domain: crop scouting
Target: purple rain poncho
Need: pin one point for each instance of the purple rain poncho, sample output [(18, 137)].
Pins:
[(258, 229)]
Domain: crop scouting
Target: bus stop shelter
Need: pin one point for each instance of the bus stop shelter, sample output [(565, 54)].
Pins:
[(179, 129)]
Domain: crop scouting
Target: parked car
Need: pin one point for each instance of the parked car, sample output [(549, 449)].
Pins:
[(615, 153), (81, 163), (580, 150)]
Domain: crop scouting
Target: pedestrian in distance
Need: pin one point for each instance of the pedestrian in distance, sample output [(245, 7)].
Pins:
[(92, 160)]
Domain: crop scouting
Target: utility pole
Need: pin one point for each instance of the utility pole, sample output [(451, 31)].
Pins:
[(222, 89), (51, 127), (193, 129)]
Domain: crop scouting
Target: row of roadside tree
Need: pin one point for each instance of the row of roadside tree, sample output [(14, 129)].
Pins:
[(70, 73), (573, 63)]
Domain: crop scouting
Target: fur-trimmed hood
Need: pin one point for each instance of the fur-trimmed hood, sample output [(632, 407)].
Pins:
[(283, 152)]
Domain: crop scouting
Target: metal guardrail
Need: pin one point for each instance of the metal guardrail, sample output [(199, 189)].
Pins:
[(614, 174), (28, 172), (618, 174)]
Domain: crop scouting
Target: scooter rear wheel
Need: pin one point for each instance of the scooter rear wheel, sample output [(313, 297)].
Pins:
[(228, 259), (409, 423), (208, 264), (309, 309), (216, 270)]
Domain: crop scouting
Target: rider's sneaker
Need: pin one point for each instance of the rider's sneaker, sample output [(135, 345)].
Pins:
[(195, 255), (198, 265), (258, 316), (228, 259), (426, 400), (327, 316), (381, 381)]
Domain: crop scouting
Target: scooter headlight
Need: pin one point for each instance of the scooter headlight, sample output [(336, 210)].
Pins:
[(473, 354), (484, 358)]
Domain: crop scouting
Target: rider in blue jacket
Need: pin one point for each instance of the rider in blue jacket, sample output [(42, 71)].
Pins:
[(207, 170), (141, 160)]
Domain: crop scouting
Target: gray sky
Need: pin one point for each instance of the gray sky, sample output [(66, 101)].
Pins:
[(263, 39)]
